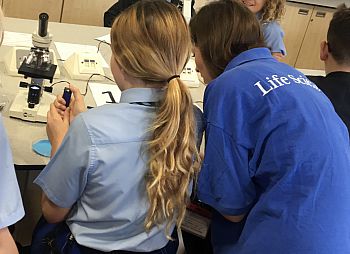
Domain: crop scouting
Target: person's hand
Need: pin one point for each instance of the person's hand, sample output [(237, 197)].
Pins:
[(56, 127), (60, 105), (77, 104), (278, 56)]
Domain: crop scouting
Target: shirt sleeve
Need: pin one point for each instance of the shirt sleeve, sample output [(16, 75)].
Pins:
[(224, 180), (273, 35), (11, 206), (65, 176)]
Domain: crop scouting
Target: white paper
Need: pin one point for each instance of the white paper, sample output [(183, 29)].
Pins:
[(105, 93), (65, 50), (14, 39), (105, 38)]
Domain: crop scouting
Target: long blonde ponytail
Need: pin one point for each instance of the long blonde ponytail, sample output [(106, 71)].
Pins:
[(151, 42), (172, 155)]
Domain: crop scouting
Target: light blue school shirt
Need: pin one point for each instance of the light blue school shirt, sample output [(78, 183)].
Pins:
[(277, 151), (273, 35), (11, 207), (99, 171)]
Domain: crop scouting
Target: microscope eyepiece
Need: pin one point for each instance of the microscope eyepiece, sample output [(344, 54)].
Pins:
[(43, 24)]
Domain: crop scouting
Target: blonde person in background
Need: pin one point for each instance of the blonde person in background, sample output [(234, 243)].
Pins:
[(119, 177), (11, 207), (269, 12)]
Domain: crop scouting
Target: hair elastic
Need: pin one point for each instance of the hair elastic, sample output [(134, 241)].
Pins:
[(172, 77)]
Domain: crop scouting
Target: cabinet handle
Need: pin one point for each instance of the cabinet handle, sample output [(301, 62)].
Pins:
[(320, 14), (303, 11)]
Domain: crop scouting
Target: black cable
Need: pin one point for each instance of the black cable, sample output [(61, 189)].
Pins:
[(99, 45), (89, 79), (50, 87), (61, 81)]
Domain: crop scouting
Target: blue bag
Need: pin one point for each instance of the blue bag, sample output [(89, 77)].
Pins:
[(53, 239)]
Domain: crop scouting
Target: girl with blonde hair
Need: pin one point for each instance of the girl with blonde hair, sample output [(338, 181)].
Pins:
[(269, 13), (120, 174)]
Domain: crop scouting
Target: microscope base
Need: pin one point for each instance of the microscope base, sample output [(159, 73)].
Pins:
[(19, 108)]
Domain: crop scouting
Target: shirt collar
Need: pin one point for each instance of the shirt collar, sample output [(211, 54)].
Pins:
[(141, 95), (249, 55), (338, 74)]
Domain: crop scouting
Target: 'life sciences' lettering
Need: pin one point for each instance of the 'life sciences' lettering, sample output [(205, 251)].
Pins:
[(275, 82)]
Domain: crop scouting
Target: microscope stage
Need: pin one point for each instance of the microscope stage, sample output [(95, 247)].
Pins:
[(15, 56), (19, 108)]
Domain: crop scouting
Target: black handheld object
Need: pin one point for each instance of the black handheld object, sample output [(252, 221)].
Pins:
[(67, 93), (43, 24)]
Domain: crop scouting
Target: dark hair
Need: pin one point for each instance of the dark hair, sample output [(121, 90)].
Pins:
[(222, 30), (338, 35)]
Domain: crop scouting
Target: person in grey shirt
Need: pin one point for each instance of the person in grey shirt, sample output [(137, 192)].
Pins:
[(120, 174)]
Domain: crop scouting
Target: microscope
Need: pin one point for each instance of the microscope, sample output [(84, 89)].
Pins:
[(32, 102)]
